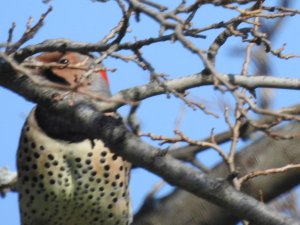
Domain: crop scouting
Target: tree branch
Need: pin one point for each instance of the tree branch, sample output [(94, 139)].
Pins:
[(258, 156), (26, 87)]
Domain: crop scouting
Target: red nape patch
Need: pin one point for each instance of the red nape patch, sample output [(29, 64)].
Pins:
[(104, 76)]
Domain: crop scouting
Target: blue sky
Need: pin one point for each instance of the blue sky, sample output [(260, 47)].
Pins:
[(83, 20)]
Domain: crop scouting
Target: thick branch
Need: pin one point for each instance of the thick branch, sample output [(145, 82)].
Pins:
[(214, 190), (186, 209), (26, 87)]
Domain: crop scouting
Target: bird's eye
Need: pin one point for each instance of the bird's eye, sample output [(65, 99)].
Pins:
[(63, 61)]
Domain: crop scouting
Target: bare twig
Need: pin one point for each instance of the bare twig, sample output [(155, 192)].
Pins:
[(29, 33), (10, 36), (254, 174)]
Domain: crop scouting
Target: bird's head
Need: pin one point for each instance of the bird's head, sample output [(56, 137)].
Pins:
[(74, 70), (79, 73)]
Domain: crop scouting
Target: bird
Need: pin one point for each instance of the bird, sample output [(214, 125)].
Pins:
[(65, 177)]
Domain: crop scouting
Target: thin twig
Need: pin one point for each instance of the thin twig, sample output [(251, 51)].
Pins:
[(29, 33), (254, 174)]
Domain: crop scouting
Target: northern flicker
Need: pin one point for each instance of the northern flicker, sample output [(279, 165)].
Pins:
[(64, 178)]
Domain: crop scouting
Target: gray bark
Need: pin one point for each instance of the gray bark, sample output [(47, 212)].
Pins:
[(181, 207)]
